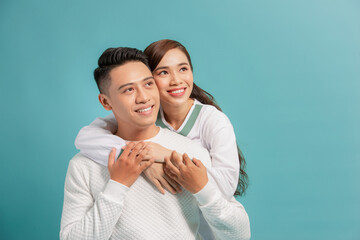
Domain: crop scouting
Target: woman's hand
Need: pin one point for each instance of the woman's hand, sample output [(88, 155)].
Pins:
[(157, 152), (155, 173), (192, 175)]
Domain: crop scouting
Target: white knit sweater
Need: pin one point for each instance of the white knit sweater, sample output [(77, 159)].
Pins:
[(211, 129), (96, 207)]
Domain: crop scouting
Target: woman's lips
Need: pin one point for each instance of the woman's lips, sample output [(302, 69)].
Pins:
[(177, 92)]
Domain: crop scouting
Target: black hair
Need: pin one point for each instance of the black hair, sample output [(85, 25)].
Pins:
[(112, 58)]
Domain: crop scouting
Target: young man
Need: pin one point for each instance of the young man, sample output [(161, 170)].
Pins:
[(118, 202)]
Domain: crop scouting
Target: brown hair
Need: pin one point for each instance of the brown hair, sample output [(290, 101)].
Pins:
[(156, 52)]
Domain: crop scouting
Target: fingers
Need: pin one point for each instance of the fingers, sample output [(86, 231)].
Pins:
[(198, 163), (176, 159), (158, 185), (136, 149), (128, 149), (143, 154), (164, 182), (170, 169), (111, 159), (174, 185), (137, 152), (145, 164), (187, 160)]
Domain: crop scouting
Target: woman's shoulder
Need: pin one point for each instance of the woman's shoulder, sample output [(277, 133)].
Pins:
[(211, 116)]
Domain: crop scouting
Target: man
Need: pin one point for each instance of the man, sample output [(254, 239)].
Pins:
[(118, 202)]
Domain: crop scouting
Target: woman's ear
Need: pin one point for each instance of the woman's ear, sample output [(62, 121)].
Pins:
[(104, 100)]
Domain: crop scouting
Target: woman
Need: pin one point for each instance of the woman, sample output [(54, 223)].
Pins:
[(186, 109)]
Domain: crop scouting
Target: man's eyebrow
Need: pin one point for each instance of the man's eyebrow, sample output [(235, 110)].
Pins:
[(165, 67), (129, 84)]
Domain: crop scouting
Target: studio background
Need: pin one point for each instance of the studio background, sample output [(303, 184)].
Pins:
[(286, 73)]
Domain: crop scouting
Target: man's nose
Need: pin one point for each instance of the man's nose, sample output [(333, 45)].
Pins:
[(142, 96)]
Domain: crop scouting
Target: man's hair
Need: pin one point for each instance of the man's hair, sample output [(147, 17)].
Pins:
[(112, 58)]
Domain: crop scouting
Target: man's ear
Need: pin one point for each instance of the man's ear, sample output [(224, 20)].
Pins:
[(104, 100)]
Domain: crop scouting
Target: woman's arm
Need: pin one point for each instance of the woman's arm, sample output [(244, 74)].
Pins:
[(97, 140), (226, 218), (217, 135)]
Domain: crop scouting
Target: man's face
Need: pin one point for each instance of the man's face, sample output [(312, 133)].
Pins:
[(132, 96)]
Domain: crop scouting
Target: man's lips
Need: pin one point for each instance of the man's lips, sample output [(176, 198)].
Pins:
[(145, 110)]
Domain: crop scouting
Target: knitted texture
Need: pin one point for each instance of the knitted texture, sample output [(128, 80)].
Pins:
[(143, 213), (98, 208)]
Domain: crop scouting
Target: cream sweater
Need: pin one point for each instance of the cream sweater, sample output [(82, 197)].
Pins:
[(96, 207)]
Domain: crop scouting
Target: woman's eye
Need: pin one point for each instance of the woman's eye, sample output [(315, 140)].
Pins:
[(163, 73), (183, 69)]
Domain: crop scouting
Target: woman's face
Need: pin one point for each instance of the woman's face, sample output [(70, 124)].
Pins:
[(174, 78)]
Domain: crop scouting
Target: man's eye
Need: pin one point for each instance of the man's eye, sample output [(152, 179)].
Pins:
[(148, 84), (183, 69), (163, 73), (128, 90)]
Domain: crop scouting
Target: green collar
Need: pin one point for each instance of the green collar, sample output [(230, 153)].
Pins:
[(189, 124)]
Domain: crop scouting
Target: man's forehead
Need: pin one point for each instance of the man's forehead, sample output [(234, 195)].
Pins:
[(130, 72)]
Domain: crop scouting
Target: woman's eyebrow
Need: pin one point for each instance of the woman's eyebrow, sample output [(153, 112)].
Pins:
[(165, 67), (162, 67)]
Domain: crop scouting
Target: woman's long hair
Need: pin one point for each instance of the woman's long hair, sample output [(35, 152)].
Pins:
[(156, 52)]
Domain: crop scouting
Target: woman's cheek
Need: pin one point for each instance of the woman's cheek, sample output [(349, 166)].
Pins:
[(161, 83)]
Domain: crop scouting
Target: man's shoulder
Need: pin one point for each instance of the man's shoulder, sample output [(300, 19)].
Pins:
[(84, 162)]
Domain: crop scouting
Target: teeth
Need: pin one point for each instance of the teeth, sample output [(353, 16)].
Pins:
[(144, 110), (178, 91)]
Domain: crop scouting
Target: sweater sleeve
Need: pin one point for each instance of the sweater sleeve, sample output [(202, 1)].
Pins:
[(227, 218), (219, 138), (96, 140), (84, 217)]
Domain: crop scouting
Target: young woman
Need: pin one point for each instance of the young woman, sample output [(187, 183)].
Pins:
[(185, 109)]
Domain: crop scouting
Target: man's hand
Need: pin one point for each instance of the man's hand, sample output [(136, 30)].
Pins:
[(129, 165), (155, 173), (192, 175)]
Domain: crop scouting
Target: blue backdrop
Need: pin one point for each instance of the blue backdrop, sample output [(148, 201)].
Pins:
[(287, 74)]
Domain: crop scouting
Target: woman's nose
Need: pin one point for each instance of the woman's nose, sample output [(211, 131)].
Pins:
[(175, 79)]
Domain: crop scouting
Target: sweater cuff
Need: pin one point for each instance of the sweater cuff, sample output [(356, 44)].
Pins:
[(207, 195), (115, 191)]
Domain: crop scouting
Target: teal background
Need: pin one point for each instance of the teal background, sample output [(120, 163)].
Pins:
[(287, 74)]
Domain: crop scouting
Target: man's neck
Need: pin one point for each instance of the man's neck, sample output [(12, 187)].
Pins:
[(129, 133)]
